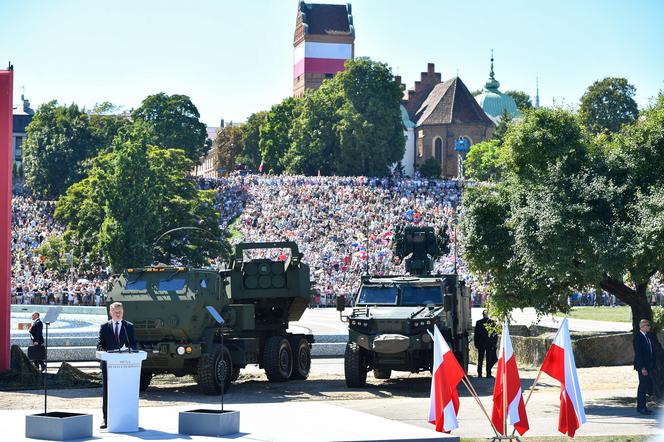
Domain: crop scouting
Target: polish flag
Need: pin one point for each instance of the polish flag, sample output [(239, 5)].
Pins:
[(559, 364), (507, 380), (444, 398)]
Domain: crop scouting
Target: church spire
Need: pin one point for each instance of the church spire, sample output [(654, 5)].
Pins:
[(537, 104), (492, 84)]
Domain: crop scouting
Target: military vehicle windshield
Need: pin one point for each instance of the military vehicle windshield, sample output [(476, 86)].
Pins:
[(412, 295), (171, 285), (137, 284), (378, 295)]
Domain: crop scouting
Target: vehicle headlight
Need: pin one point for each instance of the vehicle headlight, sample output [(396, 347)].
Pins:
[(180, 350)]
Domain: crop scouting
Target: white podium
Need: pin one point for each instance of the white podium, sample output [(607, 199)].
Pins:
[(123, 374)]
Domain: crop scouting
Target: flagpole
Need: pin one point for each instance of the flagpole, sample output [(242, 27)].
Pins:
[(504, 356), (530, 393), (474, 394)]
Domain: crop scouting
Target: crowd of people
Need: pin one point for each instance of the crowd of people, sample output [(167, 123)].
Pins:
[(32, 281), (342, 225)]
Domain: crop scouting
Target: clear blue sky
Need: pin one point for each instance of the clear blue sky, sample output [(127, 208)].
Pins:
[(235, 57)]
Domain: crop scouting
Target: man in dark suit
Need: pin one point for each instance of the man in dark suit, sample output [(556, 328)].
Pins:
[(36, 333), (486, 343), (114, 335), (644, 362)]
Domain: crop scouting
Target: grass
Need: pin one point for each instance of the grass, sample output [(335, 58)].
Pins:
[(234, 233), (611, 314), (633, 438)]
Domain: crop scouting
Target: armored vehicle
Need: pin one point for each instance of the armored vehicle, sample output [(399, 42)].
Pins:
[(389, 326), (256, 299)]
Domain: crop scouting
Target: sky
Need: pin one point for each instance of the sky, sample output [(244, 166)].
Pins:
[(233, 58)]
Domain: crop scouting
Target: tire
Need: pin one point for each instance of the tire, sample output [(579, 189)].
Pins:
[(146, 377), (215, 370), (278, 359), (235, 374), (355, 366), (382, 373), (301, 359)]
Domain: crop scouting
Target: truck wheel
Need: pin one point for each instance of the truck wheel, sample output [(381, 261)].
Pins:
[(235, 374), (382, 373), (214, 370), (146, 377), (278, 359), (355, 366), (302, 362)]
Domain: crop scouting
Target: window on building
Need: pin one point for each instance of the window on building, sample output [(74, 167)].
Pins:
[(18, 148), (438, 149)]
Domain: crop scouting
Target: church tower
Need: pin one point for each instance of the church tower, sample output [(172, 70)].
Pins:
[(323, 41)]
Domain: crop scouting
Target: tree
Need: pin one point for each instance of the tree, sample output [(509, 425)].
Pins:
[(251, 155), (174, 122), (430, 168), (58, 141), (106, 121), (476, 92), (275, 137), (522, 100), (230, 146), (132, 194), (571, 213), (485, 161), (608, 104)]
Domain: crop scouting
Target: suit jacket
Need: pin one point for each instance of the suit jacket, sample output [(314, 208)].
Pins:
[(107, 340), (644, 354), (481, 337), (36, 332)]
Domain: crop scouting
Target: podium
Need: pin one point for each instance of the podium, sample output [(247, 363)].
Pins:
[(123, 374)]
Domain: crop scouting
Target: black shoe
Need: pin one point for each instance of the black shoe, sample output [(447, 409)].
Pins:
[(489, 376), (102, 426), (643, 411), (479, 375)]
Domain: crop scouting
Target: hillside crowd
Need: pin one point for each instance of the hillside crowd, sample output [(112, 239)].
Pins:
[(342, 225)]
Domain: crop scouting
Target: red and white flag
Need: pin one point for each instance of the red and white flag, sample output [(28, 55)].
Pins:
[(559, 364), (508, 384), (444, 398)]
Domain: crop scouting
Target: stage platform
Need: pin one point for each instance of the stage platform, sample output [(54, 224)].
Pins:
[(283, 422)]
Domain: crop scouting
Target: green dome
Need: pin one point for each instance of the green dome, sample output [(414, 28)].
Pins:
[(495, 103)]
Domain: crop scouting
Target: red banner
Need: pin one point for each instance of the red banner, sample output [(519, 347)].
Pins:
[(6, 95)]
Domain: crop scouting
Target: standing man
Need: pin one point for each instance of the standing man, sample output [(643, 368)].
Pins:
[(644, 362), (36, 333), (113, 335), (485, 342)]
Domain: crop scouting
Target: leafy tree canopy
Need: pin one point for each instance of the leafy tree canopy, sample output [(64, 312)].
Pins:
[(522, 100), (174, 122), (251, 155), (485, 161), (59, 139), (131, 195), (230, 145), (608, 104), (275, 139), (430, 168)]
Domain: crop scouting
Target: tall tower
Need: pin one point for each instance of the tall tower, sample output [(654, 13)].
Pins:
[(323, 41), (537, 92)]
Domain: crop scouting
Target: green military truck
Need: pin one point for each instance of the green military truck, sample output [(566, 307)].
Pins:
[(389, 326), (257, 298)]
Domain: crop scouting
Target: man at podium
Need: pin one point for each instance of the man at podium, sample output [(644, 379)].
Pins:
[(115, 334)]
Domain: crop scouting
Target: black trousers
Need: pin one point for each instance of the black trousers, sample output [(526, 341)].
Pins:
[(104, 380), (490, 359), (645, 387)]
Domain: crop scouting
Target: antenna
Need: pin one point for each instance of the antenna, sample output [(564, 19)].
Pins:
[(537, 101)]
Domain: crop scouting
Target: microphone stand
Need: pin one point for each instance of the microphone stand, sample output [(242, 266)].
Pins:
[(45, 374)]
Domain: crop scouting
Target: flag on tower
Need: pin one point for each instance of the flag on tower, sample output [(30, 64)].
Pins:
[(508, 384), (559, 364), (444, 398)]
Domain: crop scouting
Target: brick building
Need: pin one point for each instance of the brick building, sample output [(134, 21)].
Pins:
[(441, 112), (323, 41)]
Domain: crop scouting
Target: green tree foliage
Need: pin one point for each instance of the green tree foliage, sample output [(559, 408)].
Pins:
[(608, 104), (522, 100), (571, 213), (53, 250), (251, 155), (351, 125), (230, 145), (485, 161), (430, 168), (476, 92), (59, 139), (174, 123), (106, 121), (275, 138), (132, 194)]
